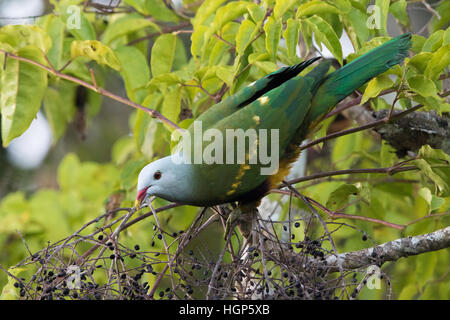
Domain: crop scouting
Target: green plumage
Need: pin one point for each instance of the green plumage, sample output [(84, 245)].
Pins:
[(287, 102)]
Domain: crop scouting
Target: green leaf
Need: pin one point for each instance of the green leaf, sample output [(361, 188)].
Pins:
[(266, 66), (344, 150), (435, 164), (434, 102), (344, 6), (244, 35), (383, 5), (241, 69), (227, 13), (125, 25), (163, 54), (315, 7), (422, 85), (408, 292), (207, 8), (387, 155), (436, 202), (443, 9), (164, 79), (134, 71), (272, 29), (56, 32), (219, 54), (197, 40), (398, 10), (83, 31), (21, 36), (149, 134), (226, 74), (257, 12), (122, 150), (142, 119), (68, 171), (21, 91), (291, 35), (94, 50), (417, 43), (433, 42), (339, 197), (54, 113), (439, 62), (159, 10), (281, 6), (180, 59), (376, 86), (420, 61), (446, 38), (9, 291), (357, 20), (172, 104), (324, 33), (130, 172)]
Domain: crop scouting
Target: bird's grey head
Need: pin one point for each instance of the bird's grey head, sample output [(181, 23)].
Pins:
[(162, 178)]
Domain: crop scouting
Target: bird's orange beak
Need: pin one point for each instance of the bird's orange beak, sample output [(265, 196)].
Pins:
[(140, 197)]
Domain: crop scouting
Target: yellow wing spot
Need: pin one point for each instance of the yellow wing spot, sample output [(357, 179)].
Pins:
[(263, 100), (230, 192), (256, 119)]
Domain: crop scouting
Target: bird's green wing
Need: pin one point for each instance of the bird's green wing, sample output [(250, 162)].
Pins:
[(283, 109), (250, 93), (339, 84)]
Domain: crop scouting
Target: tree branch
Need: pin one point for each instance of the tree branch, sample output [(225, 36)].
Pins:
[(391, 251), (103, 92)]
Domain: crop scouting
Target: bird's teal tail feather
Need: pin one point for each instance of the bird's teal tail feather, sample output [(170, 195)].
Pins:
[(339, 84)]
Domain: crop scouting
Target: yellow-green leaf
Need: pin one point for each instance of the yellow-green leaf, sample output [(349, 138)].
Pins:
[(433, 42), (315, 7), (422, 85), (439, 62), (125, 25), (22, 88), (9, 291), (272, 29), (163, 54), (291, 35), (324, 33), (20, 36), (398, 10), (375, 86), (281, 6), (94, 50), (134, 71), (171, 104), (244, 35), (339, 197)]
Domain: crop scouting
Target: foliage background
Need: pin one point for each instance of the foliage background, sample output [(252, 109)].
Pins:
[(181, 59)]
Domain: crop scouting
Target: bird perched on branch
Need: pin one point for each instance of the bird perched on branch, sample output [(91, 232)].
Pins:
[(281, 101)]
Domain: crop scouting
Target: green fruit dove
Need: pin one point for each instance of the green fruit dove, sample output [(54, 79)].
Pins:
[(277, 113)]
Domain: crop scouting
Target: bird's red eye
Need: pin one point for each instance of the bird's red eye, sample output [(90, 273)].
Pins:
[(157, 175)]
